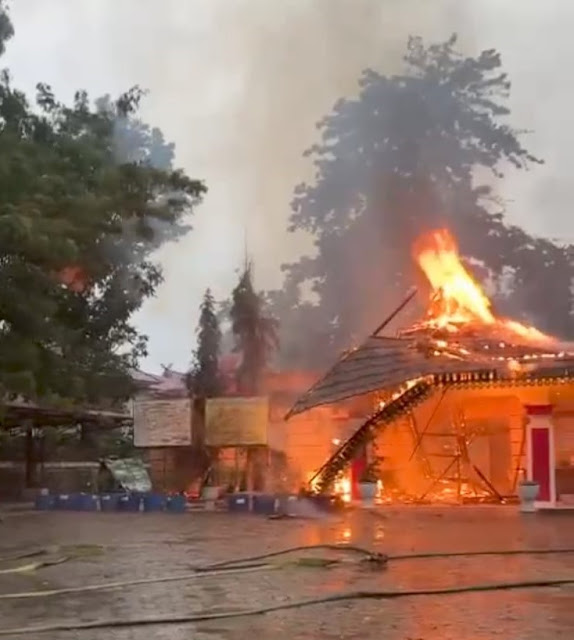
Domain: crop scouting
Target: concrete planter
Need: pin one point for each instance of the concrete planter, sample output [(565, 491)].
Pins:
[(528, 492), (368, 493)]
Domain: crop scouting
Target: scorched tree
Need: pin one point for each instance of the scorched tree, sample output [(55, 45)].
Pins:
[(255, 333), (404, 156)]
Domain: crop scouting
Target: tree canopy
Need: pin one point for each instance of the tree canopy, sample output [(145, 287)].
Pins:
[(412, 152), (255, 333), (87, 194), (6, 28), (205, 377)]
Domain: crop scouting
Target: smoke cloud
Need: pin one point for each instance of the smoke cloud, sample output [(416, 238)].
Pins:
[(238, 85)]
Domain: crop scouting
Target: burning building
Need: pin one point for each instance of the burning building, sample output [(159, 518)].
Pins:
[(464, 403)]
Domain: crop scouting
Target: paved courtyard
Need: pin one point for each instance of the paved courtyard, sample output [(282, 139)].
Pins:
[(121, 547)]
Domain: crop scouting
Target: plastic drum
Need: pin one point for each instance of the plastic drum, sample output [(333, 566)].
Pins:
[(44, 502), (265, 504), (129, 502), (88, 502), (239, 503), (288, 504), (177, 504), (153, 502), (109, 502), (63, 502)]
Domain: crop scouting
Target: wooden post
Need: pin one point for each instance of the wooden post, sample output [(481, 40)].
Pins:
[(236, 471), (30, 463), (249, 469)]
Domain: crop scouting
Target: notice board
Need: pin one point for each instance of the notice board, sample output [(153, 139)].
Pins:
[(236, 422), (163, 423)]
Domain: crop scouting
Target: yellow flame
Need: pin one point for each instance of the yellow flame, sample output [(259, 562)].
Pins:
[(342, 488), (457, 299)]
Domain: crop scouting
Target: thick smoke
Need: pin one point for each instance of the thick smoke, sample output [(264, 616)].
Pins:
[(238, 85), (260, 76)]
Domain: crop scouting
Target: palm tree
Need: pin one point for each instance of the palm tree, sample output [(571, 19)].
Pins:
[(255, 333)]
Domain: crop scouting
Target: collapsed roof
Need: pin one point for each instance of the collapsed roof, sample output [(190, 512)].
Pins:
[(385, 363), (460, 341)]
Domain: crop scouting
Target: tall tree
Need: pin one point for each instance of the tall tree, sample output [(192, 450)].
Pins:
[(255, 333), (402, 157), (78, 226), (6, 28), (205, 376)]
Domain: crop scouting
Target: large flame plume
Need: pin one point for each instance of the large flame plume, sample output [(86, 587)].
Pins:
[(457, 300)]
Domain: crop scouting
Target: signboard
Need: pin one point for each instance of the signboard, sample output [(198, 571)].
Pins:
[(236, 422), (162, 423)]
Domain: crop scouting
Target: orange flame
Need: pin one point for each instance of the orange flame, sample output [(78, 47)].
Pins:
[(457, 299)]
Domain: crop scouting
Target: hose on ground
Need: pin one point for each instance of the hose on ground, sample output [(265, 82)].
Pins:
[(255, 563), (242, 565), (367, 553), (297, 604), (181, 577), (462, 554), (34, 566)]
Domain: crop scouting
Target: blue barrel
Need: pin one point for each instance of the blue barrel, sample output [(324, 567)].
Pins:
[(77, 501), (63, 502), (129, 502), (153, 502), (88, 502), (177, 504), (265, 504), (239, 503), (288, 504), (44, 502), (109, 501)]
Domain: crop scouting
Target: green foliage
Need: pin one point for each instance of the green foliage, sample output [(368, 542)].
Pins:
[(399, 159), (255, 333), (82, 208), (205, 379)]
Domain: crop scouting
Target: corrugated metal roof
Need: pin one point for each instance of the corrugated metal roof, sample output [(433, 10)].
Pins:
[(169, 383), (384, 363)]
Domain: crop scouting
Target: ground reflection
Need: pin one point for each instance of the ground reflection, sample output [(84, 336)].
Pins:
[(179, 542)]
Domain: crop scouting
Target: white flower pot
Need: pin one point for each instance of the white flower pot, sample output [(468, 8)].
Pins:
[(210, 495), (528, 492), (368, 493)]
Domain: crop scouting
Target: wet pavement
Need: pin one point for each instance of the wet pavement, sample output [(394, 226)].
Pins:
[(122, 547)]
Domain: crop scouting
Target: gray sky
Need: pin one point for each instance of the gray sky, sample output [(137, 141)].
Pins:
[(239, 84)]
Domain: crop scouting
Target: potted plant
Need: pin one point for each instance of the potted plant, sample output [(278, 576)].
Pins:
[(528, 492), (368, 483)]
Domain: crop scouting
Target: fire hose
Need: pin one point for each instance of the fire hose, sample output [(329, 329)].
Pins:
[(254, 563), (340, 597)]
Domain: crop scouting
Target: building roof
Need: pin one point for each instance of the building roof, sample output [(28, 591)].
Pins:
[(385, 363), (15, 414), (169, 384)]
